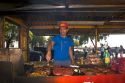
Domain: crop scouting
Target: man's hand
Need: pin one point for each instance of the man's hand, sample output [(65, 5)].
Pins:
[(71, 56), (72, 62), (48, 57)]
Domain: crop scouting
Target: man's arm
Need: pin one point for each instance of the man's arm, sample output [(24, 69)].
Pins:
[(49, 54), (71, 55)]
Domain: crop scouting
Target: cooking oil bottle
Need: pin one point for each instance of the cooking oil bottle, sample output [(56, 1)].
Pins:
[(107, 58)]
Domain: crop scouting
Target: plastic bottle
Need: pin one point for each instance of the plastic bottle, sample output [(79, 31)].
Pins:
[(106, 58)]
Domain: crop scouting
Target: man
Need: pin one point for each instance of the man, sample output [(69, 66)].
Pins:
[(102, 49), (62, 46), (121, 51), (85, 51)]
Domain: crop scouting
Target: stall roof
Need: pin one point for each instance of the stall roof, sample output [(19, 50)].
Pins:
[(42, 16)]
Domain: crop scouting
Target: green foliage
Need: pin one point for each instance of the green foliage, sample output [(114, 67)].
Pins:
[(38, 39), (49, 39), (10, 32), (30, 35), (83, 39), (34, 40)]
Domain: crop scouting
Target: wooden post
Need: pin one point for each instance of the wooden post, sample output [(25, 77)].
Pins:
[(1, 32), (96, 38), (24, 43)]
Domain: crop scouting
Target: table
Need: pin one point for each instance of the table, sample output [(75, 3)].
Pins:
[(110, 78)]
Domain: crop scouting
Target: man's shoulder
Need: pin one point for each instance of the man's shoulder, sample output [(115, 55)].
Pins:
[(56, 36)]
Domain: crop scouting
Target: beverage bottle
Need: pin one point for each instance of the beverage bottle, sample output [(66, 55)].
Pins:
[(107, 58)]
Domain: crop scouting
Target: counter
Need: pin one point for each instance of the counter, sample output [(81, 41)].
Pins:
[(110, 78)]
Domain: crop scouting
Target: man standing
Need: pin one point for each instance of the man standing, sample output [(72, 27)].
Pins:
[(85, 51), (62, 46), (102, 49), (121, 51)]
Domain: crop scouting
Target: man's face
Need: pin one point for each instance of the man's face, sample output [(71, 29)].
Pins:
[(63, 31)]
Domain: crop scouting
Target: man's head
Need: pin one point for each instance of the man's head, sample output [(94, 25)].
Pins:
[(63, 26)]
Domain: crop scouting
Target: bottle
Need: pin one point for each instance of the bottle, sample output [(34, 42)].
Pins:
[(81, 61), (106, 58)]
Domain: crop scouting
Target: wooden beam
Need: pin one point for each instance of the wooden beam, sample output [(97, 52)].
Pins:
[(80, 26), (17, 20)]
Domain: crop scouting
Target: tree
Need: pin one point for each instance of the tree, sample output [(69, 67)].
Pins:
[(85, 38), (34, 40), (10, 33)]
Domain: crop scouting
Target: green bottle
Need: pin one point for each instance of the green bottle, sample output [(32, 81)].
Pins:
[(106, 58)]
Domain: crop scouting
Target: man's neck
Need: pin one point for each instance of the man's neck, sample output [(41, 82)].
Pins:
[(63, 36)]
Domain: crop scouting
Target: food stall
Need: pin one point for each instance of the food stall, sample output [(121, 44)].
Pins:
[(90, 17), (90, 70)]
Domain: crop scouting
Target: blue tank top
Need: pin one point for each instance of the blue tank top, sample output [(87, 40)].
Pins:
[(61, 48)]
